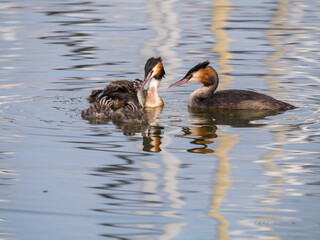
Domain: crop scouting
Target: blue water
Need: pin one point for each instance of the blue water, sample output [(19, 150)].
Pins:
[(189, 175)]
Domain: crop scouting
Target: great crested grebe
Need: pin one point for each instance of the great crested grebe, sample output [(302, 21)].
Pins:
[(154, 72), (206, 97), (120, 100)]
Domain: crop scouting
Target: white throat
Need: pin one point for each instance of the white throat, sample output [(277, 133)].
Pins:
[(152, 98), (153, 84)]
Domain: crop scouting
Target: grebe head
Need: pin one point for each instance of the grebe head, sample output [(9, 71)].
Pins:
[(137, 83), (153, 69), (200, 73)]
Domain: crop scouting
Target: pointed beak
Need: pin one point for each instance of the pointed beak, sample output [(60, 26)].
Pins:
[(182, 81), (147, 78)]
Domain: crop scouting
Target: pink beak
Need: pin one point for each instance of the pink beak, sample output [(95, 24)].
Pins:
[(145, 81), (182, 81)]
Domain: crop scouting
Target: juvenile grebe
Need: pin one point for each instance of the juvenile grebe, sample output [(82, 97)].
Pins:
[(129, 113), (105, 108), (119, 100), (206, 97), (120, 91)]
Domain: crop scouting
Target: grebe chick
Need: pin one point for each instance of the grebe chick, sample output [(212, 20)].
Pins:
[(206, 97), (101, 109), (104, 109), (120, 91), (129, 114)]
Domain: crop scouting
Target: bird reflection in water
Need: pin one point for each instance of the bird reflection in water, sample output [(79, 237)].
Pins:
[(234, 117), (152, 139), (204, 128), (128, 129), (202, 132), (150, 131), (201, 136)]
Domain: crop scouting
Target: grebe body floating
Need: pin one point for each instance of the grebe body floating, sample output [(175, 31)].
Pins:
[(207, 97)]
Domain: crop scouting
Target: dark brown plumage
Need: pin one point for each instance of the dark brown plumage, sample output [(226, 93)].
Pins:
[(206, 97), (129, 113), (105, 109), (100, 109), (120, 91)]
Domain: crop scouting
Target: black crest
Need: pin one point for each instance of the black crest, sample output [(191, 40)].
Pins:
[(150, 64), (197, 68)]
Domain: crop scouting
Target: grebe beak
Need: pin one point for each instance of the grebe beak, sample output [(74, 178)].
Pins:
[(182, 81), (150, 75)]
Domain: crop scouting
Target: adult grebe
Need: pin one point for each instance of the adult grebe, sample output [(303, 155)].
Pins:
[(154, 72), (206, 97), (120, 100)]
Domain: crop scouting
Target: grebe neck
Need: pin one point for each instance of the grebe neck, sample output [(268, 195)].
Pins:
[(212, 83), (152, 98), (204, 92)]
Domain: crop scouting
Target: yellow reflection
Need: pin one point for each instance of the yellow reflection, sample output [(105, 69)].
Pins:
[(274, 37), (273, 61), (220, 14), (172, 165), (150, 185), (169, 183), (163, 19), (275, 191), (203, 132), (152, 139), (222, 179), (275, 187), (201, 137)]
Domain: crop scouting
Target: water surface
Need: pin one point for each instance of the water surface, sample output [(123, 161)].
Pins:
[(190, 174)]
